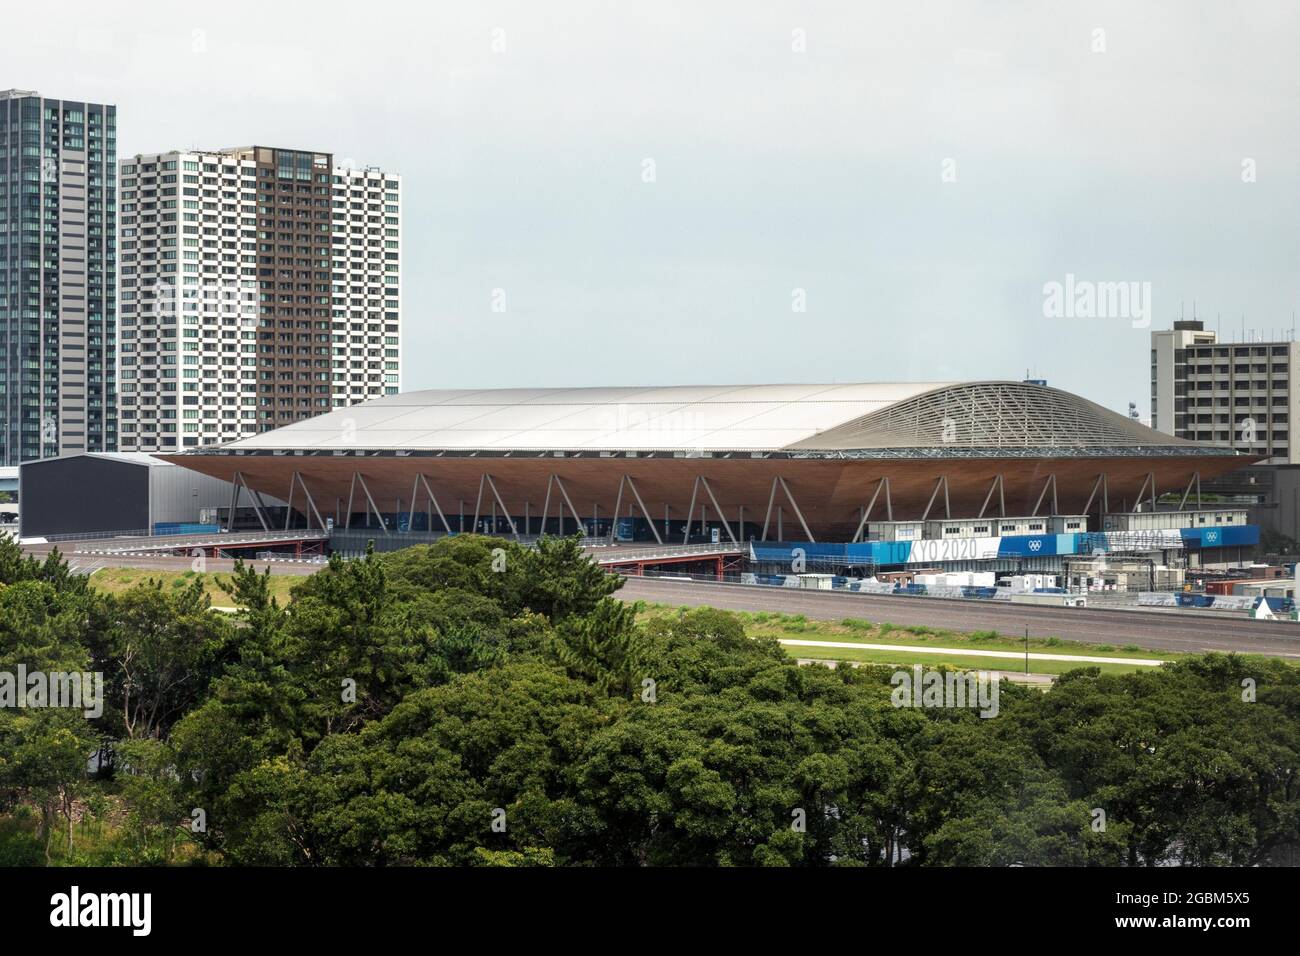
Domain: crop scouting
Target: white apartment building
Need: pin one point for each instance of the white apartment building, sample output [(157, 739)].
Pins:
[(1237, 394), (258, 287), (367, 289)]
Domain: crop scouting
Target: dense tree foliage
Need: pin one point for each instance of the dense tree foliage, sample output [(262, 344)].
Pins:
[(478, 703)]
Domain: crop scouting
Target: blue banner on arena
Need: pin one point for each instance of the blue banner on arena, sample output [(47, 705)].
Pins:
[(1037, 545), (1230, 537), (945, 550)]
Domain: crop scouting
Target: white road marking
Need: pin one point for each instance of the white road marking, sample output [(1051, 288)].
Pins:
[(1011, 655)]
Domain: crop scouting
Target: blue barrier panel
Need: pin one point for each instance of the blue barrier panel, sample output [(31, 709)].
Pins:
[(181, 527), (879, 552), (786, 551)]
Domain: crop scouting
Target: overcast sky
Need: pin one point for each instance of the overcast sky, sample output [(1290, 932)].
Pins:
[(650, 185)]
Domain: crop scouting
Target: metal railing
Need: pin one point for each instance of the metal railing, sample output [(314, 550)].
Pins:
[(635, 555), (164, 542), (92, 535), (354, 541), (147, 535)]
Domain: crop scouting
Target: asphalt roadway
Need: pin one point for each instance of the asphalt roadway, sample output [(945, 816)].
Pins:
[(160, 562), (1152, 630)]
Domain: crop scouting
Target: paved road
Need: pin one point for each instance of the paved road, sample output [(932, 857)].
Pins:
[(1155, 631), (166, 563)]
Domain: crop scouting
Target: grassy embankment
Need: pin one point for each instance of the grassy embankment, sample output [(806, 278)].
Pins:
[(117, 580)]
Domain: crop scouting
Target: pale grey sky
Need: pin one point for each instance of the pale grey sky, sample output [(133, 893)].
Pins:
[(795, 146)]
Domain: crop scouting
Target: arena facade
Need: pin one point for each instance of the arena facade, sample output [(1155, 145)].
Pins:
[(938, 472)]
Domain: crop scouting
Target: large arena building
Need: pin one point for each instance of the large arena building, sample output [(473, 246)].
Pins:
[(976, 474)]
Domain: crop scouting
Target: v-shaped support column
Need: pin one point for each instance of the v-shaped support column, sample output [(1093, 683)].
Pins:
[(253, 498), (298, 479), (778, 481), (358, 479), (420, 479)]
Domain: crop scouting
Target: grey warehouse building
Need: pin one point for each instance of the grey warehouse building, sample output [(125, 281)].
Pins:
[(115, 492)]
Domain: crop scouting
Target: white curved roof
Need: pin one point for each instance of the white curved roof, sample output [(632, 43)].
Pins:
[(743, 418), (696, 418)]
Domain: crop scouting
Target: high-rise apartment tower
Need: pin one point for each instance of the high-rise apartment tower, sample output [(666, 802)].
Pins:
[(260, 287), (58, 277)]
